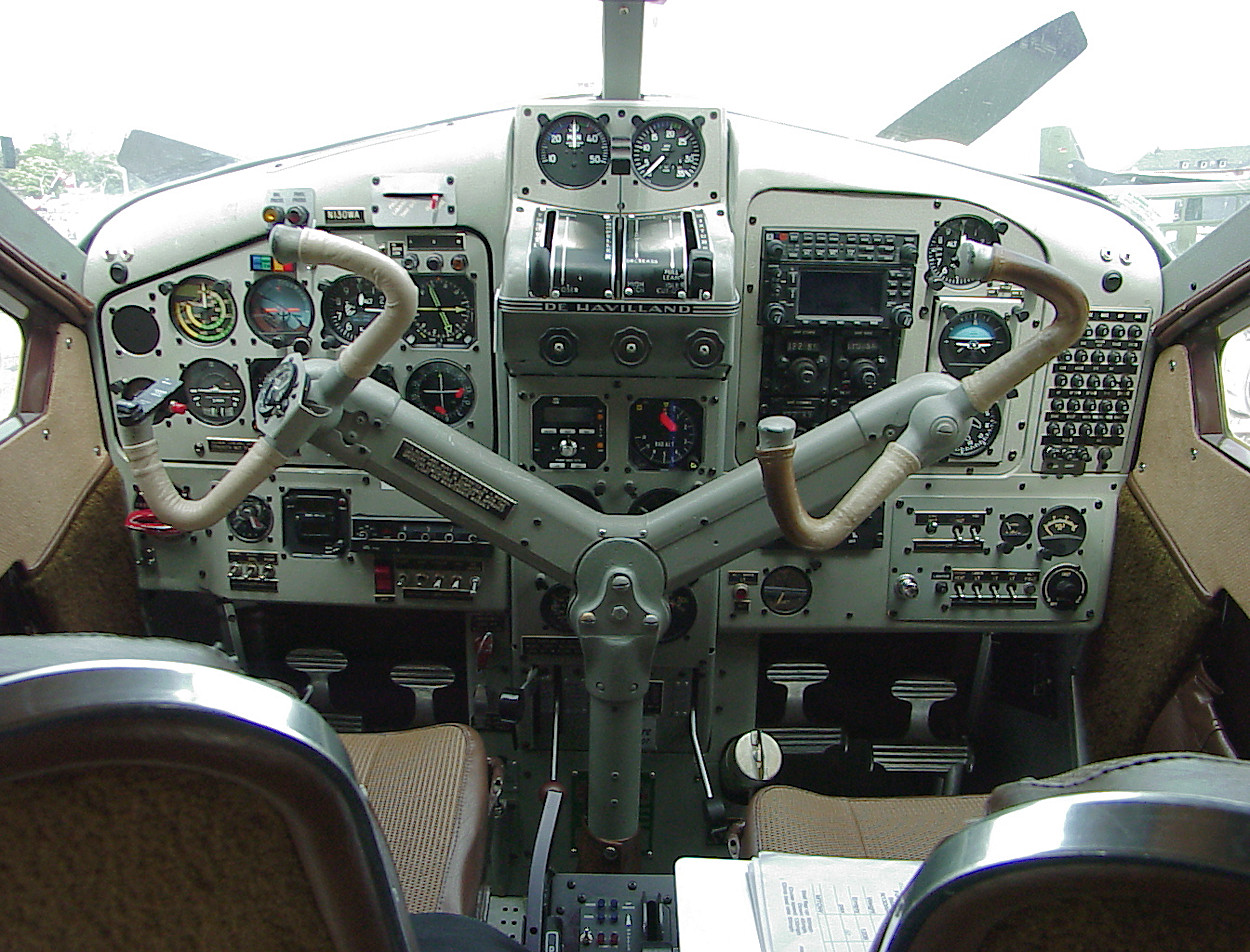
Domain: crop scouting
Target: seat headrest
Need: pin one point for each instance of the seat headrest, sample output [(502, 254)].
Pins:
[(1182, 772), (20, 653)]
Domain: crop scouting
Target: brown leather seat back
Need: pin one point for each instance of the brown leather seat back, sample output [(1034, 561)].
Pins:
[(1102, 870), (160, 805)]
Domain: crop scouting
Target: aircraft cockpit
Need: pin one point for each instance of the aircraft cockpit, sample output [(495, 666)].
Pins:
[(459, 424)]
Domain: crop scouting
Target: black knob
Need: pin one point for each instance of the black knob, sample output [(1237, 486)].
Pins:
[(902, 316), (775, 314), (804, 372), (558, 346), (774, 250), (864, 375), (1064, 588)]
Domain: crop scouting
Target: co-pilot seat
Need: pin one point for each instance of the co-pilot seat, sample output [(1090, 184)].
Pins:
[(152, 797), (1142, 852)]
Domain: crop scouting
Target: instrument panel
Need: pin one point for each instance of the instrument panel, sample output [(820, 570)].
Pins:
[(611, 295)]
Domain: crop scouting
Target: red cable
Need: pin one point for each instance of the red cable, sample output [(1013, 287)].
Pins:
[(144, 520)]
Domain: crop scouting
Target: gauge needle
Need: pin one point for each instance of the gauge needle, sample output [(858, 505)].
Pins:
[(653, 166), (442, 316)]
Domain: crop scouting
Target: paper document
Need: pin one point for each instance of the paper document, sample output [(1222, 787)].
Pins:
[(823, 904), (780, 902)]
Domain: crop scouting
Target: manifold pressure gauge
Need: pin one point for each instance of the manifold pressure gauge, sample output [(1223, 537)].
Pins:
[(573, 150)]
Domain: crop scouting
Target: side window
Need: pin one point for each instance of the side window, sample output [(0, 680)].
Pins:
[(1235, 380), (12, 345)]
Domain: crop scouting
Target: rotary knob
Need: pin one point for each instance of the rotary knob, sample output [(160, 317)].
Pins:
[(1064, 588)]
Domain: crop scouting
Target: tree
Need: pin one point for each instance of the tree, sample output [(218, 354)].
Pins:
[(48, 168)]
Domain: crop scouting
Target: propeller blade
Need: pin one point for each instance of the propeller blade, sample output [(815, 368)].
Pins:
[(966, 108)]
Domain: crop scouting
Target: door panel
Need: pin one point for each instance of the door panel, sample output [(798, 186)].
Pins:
[(59, 494)]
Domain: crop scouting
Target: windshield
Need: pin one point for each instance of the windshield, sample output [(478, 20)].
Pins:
[(242, 81)]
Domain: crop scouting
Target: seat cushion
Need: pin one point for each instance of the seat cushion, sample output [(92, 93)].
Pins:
[(789, 820), (430, 791)]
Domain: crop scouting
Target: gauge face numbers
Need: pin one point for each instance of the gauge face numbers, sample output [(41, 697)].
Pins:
[(944, 246), (1061, 531), (665, 434), (972, 339), (278, 309), (573, 150), (983, 430), (251, 520), (214, 391), (786, 590), (349, 304), (444, 311), (666, 152), (442, 389), (202, 309)]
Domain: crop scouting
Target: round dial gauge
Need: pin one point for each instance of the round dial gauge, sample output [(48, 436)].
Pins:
[(972, 339), (982, 432), (442, 389), (573, 150), (349, 304), (214, 391), (202, 309), (251, 520), (944, 245), (786, 589), (444, 310), (667, 152), (554, 608), (683, 609), (1061, 531), (665, 434), (652, 500), (1015, 529), (278, 309)]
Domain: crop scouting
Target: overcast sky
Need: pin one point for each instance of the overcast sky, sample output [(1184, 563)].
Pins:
[(251, 79)]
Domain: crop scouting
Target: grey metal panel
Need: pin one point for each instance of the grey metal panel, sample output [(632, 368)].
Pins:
[(22, 227), (1207, 261)]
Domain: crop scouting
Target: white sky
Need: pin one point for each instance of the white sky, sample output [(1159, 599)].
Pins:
[(251, 79)]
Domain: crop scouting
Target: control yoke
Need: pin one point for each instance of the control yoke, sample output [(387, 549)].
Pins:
[(620, 567)]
